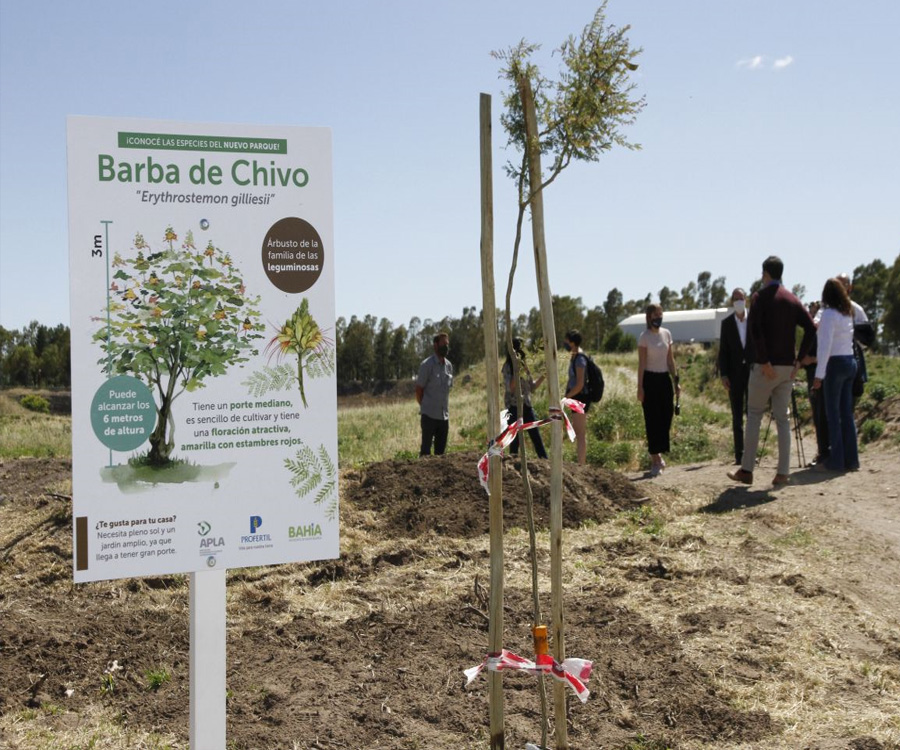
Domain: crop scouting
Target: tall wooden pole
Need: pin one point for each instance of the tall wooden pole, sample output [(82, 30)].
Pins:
[(492, 369), (546, 305)]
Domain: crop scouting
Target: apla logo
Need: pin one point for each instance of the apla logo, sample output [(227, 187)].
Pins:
[(209, 543), (253, 537), (305, 532)]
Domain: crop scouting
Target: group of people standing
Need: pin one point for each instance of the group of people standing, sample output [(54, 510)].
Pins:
[(757, 361), (435, 379)]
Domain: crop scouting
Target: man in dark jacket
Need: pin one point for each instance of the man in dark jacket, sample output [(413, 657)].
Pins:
[(734, 366), (775, 315)]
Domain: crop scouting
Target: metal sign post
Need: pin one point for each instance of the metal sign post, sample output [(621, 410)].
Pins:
[(208, 660)]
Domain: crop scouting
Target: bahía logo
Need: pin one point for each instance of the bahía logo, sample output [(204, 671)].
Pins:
[(305, 532)]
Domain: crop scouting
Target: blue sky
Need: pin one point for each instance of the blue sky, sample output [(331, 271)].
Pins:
[(770, 127)]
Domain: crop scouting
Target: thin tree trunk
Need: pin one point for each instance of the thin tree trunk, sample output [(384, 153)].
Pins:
[(546, 306), (495, 630)]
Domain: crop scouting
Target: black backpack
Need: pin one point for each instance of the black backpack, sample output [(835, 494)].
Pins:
[(593, 382)]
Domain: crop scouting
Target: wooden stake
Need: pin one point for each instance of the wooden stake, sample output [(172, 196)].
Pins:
[(546, 306), (492, 369)]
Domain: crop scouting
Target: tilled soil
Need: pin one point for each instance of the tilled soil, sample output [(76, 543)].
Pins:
[(368, 651)]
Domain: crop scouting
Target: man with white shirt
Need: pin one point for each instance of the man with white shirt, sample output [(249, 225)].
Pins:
[(859, 315), (734, 366)]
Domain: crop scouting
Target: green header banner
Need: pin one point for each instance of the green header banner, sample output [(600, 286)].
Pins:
[(175, 142)]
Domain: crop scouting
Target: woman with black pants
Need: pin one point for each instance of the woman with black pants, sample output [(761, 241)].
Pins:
[(656, 371)]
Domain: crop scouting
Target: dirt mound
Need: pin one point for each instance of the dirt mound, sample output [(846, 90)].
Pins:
[(443, 494)]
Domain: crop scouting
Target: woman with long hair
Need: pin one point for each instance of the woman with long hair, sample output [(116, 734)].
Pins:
[(835, 372), (527, 384), (656, 372)]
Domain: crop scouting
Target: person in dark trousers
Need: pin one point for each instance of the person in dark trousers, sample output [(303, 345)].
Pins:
[(816, 398), (734, 366), (656, 374), (433, 395), (527, 384), (836, 368), (775, 316)]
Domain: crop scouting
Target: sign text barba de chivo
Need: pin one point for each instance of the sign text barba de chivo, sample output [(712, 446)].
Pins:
[(242, 172)]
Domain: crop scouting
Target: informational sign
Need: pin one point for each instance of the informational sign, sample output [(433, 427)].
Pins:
[(204, 409)]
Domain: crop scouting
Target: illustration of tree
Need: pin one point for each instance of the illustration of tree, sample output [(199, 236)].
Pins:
[(175, 318), (301, 336)]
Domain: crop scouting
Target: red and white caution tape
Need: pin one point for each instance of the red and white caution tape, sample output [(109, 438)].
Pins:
[(573, 672), (496, 446)]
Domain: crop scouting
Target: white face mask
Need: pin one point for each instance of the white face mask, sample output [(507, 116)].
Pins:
[(739, 306)]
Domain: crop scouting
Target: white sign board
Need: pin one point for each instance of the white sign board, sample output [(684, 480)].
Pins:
[(204, 409)]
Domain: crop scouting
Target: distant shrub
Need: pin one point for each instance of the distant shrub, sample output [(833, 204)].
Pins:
[(618, 342), (610, 455), (871, 430), (691, 440), (33, 402), (878, 391), (618, 419)]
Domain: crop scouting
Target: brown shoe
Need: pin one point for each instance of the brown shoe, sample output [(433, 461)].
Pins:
[(780, 480), (739, 475)]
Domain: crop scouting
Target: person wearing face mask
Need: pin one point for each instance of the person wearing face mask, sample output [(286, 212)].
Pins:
[(433, 395), (656, 372), (574, 388), (734, 366)]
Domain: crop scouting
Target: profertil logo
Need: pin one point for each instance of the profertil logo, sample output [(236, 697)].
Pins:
[(254, 537)]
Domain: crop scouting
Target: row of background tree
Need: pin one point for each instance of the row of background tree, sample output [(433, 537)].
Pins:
[(372, 349)]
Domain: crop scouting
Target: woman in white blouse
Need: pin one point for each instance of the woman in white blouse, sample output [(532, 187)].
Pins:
[(656, 371), (835, 372)]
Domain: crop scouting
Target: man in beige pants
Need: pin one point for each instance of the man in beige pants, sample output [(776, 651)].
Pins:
[(775, 315)]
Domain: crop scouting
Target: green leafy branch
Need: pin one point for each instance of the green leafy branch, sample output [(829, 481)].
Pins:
[(278, 378), (311, 470)]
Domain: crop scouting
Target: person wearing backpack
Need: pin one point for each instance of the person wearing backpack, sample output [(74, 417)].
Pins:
[(656, 371), (576, 388)]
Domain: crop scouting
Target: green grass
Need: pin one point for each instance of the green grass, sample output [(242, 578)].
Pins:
[(796, 537), (156, 678), (644, 519), (615, 426), (30, 433)]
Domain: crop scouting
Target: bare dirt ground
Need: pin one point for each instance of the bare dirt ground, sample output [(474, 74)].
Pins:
[(717, 616)]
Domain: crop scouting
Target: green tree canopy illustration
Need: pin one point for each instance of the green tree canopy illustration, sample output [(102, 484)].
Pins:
[(174, 318)]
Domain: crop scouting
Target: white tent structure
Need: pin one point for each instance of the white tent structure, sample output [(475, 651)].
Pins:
[(687, 326)]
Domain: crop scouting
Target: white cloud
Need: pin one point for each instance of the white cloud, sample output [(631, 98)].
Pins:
[(761, 62), (751, 63), (783, 62)]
